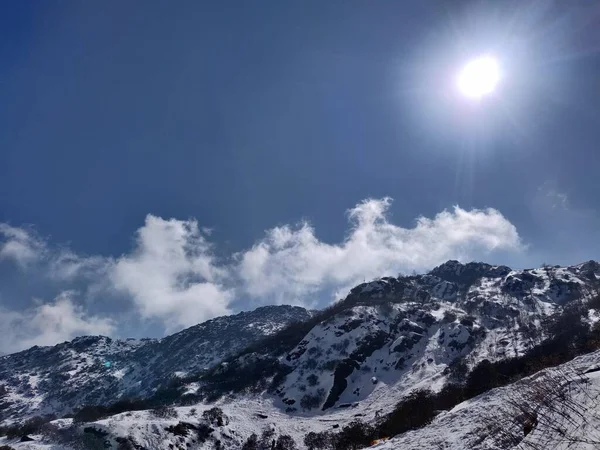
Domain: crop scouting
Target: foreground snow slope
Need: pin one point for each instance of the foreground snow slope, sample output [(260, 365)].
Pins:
[(564, 398), (569, 420)]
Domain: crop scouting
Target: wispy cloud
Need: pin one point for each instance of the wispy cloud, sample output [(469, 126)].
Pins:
[(20, 245), (570, 230), (48, 324), (171, 274), (551, 197), (29, 251)]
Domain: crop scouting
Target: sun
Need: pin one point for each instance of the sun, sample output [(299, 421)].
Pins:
[(479, 77)]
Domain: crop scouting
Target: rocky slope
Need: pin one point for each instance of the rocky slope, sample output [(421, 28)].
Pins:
[(99, 370), (356, 359), (557, 408), (395, 334)]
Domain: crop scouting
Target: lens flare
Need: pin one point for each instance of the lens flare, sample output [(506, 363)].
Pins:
[(479, 77)]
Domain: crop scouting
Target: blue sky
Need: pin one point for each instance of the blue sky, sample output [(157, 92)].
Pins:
[(161, 165)]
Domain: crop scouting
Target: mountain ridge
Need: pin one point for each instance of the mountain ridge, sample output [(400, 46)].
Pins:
[(386, 339), (108, 369)]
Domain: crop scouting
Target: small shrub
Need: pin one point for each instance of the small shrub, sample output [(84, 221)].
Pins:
[(483, 378), (30, 426), (91, 413), (450, 396), (319, 441), (215, 416), (330, 365), (285, 442), (310, 401), (311, 364), (126, 443), (133, 404), (267, 438), (457, 371), (68, 436), (251, 443), (181, 428), (165, 412), (415, 411), (315, 351), (355, 435), (203, 432), (342, 346), (312, 380), (449, 317), (468, 321), (189, 399)]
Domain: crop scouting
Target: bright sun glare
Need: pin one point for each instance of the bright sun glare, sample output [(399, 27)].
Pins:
[(479, 77)]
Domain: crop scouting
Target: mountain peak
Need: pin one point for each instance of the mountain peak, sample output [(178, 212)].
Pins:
[(466, 274)]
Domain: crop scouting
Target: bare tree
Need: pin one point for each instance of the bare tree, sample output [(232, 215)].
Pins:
[(548, 410)]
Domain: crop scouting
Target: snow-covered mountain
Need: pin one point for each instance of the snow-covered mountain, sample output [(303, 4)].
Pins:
[(563, 402), (395, 334), (356, 359), (99, 370)]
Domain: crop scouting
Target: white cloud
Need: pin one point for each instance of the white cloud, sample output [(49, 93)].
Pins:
[(48, 324), (292, 265), (550, 197), (171, 275), (29, 251), (20, 245), (64, 265)]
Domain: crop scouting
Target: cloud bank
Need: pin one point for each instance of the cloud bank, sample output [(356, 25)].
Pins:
[(292, 264), (172, 275)]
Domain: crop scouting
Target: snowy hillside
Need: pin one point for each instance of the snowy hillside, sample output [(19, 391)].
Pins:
[(562, 402), (98, 370), (353, 361), (395, 334)]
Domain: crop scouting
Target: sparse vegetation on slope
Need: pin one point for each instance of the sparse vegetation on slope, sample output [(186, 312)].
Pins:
[(570, 336), (386, 332)]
